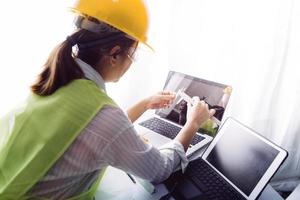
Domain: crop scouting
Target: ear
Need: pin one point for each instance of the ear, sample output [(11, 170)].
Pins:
[(114, 52)]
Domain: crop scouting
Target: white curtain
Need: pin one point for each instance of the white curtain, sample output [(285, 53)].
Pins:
[(251, 45)]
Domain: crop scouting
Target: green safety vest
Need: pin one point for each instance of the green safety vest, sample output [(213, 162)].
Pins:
[(36, 134)]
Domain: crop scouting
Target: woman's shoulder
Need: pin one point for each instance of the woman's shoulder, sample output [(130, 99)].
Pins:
[(84, 90)]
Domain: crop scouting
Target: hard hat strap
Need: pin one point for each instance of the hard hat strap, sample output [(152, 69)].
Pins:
[(101, 27), (109, 33)]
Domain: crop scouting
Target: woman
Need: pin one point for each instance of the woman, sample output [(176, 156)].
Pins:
[(58, 143)]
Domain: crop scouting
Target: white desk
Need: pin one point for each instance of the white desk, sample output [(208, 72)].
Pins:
[(116, 185)]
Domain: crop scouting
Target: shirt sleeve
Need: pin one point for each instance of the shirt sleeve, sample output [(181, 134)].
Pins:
[(127, 151)]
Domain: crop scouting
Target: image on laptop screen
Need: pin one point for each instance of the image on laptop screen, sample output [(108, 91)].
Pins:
[(242, 158), (216, 95)]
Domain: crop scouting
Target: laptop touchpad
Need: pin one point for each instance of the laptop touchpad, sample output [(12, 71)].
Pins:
[(186, 190)]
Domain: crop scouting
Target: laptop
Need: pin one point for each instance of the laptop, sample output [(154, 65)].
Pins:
[(163, 125), (236, 165)]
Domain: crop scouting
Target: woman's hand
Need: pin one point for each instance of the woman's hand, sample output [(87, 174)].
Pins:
[(198, 113), (160, 100)]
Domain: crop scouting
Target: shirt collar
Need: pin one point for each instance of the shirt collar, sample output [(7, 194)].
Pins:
[(91, 73)]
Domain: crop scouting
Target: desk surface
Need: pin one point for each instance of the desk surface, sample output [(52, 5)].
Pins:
[(116, 185)]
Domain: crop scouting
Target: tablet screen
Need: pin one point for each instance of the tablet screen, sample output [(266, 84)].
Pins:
[(242, 157)]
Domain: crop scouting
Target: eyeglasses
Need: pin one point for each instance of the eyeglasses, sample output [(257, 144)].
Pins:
[(132, 54), (132, 58)]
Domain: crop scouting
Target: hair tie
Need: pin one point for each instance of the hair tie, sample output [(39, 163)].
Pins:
[(71, 41)]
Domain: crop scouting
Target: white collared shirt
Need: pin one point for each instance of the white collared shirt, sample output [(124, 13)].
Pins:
[(109, 139), (91, 74)]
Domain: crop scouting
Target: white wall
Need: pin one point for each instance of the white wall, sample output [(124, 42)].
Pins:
[(29, 31)]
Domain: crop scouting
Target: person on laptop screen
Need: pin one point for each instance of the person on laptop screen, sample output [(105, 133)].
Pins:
[(57, 144)]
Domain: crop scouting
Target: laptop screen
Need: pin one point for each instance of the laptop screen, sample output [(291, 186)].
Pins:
[(215, 94), (241, 157)]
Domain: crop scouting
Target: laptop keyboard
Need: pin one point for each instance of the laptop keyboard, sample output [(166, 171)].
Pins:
[(167, 129), (210, 182)]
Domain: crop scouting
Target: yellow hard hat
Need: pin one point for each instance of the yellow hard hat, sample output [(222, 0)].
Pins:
[(128, 16)]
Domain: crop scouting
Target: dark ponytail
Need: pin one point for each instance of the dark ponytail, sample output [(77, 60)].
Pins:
[(61, 68)]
